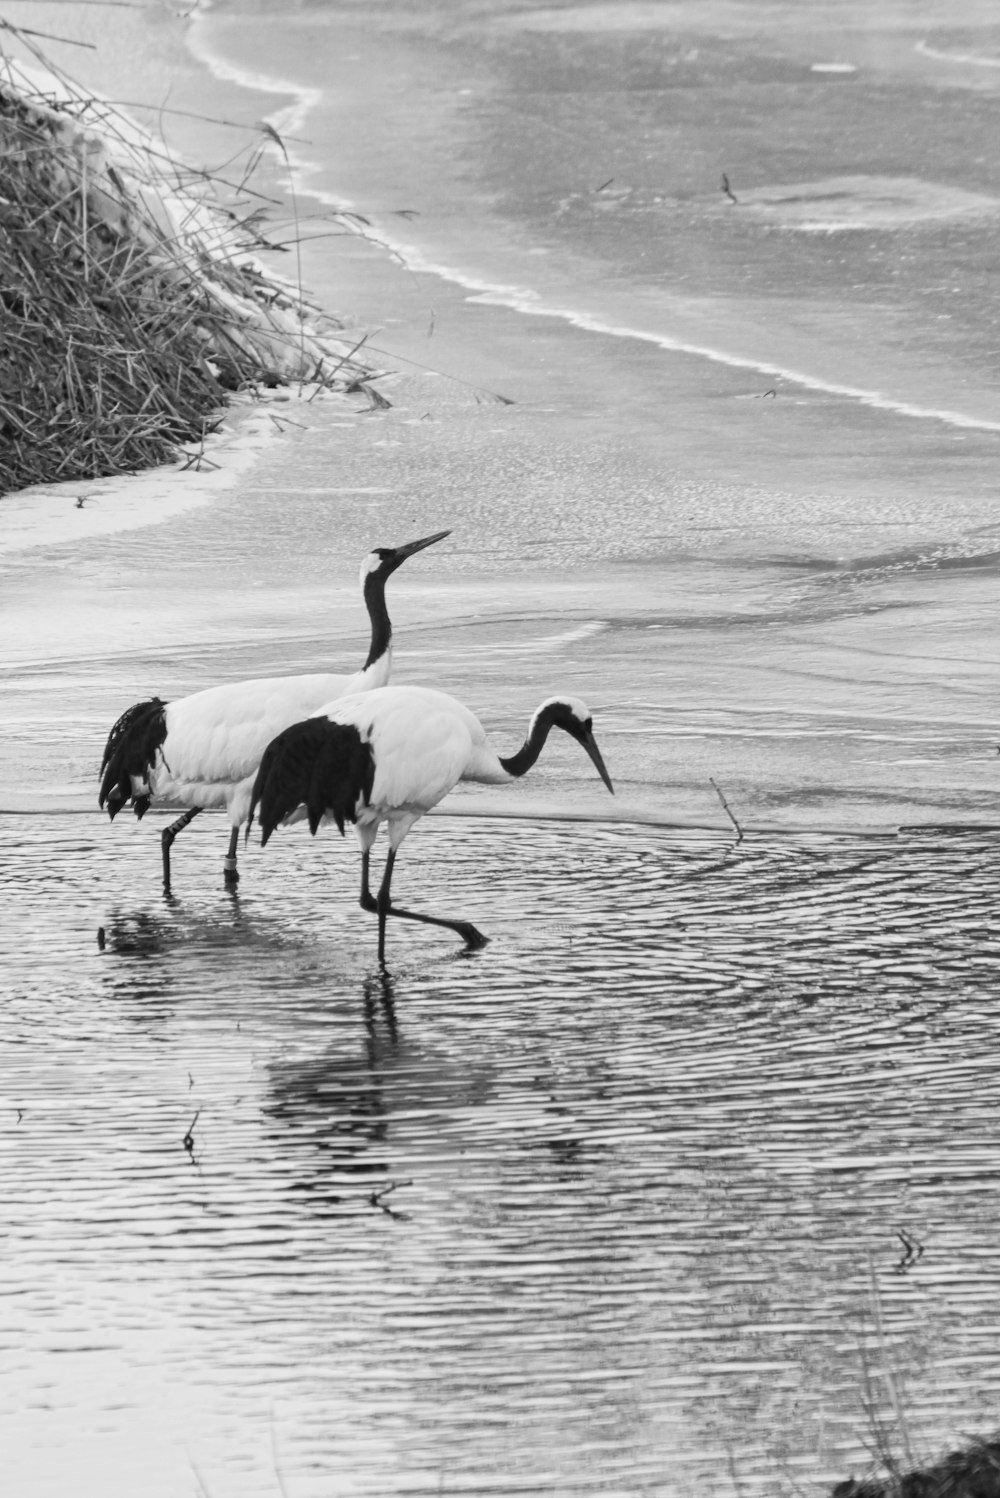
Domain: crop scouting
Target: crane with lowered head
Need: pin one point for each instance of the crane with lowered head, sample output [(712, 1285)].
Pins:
[(390, 756)]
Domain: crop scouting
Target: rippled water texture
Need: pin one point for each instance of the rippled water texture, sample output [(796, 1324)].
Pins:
[(612, 1206)]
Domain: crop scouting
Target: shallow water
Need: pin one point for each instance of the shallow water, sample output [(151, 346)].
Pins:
[(647, 1196), (610, 1206)]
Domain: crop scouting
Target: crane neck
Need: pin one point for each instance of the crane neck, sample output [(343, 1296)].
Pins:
[(538, 731), (375, 675), (381, 645)]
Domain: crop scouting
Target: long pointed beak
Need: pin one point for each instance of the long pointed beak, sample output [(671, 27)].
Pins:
[(402, 552), (591, 747)]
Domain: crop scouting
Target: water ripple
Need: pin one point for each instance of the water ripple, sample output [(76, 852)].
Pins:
[(598, 1209)]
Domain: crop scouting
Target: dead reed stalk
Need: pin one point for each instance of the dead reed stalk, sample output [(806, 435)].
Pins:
[(131, 302)]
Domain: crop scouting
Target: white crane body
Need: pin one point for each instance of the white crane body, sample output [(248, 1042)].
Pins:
[(203, 751), (390, 755), (424, 743), (215, 739)]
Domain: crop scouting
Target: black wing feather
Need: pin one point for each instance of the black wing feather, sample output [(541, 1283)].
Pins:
[(325, 767), (131, 751)]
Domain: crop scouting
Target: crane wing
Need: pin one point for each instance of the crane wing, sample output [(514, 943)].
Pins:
[(217, 737), (325, 767), (131, 752)]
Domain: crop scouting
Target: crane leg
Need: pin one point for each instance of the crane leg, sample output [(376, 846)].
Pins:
[(464, 929), (230, 873), (366, 900), (167, 836)]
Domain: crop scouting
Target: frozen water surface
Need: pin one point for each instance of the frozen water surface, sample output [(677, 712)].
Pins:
[(647, 1196)]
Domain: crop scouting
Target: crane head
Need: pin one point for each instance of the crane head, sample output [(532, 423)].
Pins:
[(385, 559), (575, 718)]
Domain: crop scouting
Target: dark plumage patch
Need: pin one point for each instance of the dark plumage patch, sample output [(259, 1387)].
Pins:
[(131, 750), (325, 767)]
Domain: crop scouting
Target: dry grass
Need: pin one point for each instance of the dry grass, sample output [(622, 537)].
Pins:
[(131, 301), (971, 1473)]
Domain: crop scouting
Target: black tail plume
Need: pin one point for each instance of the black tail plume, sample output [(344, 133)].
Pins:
[(325, 767), (131, 751)]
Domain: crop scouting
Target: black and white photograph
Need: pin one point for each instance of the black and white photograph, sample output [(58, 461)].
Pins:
[(499, 749)]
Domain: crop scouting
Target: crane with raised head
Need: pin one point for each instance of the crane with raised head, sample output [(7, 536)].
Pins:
[(390, 756), (203, 751)]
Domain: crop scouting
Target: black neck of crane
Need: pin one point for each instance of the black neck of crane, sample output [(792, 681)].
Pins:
[(521, 762), (379, 616)]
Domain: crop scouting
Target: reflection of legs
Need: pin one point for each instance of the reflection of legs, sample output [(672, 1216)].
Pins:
[(379, 994), (167, 837), (467, 932), (230, 873)]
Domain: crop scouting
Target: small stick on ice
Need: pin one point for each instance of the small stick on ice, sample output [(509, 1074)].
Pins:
[(727, 809)]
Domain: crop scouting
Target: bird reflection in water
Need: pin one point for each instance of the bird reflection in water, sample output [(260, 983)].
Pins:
[(142, 934), (196, 929), (179, 951), (140, 980), (332, 1111)]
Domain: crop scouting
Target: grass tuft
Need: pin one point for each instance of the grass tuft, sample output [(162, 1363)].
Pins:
[(132, 303), (973, 1472)]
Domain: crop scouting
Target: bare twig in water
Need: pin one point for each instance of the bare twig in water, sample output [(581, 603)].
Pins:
[(727, 809), (881, 1431), (728, 190), (604, 185), (188, 1140), (203, 1490), (913, 1250), (375, 1199), (274, 1454)]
